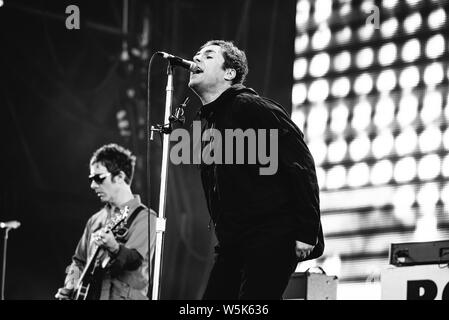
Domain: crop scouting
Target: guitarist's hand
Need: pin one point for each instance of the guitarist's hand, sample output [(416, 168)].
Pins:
[(104, 238), (63, 293)]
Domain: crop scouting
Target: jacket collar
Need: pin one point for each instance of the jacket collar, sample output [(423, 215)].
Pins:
[(209, 109)]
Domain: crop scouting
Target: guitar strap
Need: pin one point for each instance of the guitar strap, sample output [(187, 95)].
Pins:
[(122, 234), (133, 215)]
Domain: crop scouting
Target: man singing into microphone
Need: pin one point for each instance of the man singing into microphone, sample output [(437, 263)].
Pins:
[(265, 224)]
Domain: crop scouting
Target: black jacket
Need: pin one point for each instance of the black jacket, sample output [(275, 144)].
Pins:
[(249, 209)]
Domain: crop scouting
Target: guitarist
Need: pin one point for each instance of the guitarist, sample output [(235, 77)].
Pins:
[(123, 257)]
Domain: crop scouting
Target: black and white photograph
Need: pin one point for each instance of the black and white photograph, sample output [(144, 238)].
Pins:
[(237, 157)]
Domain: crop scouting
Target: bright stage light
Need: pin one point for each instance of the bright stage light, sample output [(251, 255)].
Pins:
[(358, 175), (427, 198), (430, 139), (412, 3), (363, 84), (446, 139), (382, 172), (359, 147), (426, 226), (432, 106), (366, 6), (336, 177), (389, 27), (433, 74), (446, 108), (318, 91), (429, 167), (364, 58), (337, 150), (411, 50), (384, 115), (320, 176), (445, 171), (299, 93), (301, 43), (321, 37), (343, 35), (341, 87), (366, 31), (404, 197), (299, 68), (342, 61), (435, 46), (403, 200), (339, 118), (319, 65), (299, 118), (389, 4), (408, 109), (386, 133), (436, 18), (406, 142), (409, 77), (405, 170), (428, 195), (444, 195), (387, 54), (412, 23), (386, 81), (323, 10), (383, 144), (345, 9), (318, 149), (317, 120), (361, 115), (302, 12)]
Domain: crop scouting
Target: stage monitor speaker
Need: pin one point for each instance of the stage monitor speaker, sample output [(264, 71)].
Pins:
[(311, 286), (418, 253)]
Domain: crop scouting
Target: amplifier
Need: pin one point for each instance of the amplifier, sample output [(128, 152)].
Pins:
[(415, 253), (311, 286)]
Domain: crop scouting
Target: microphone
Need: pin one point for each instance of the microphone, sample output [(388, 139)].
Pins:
[(186, 64), (10, 224)]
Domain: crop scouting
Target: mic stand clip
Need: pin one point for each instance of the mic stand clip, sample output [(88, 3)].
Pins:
[(176, 117)]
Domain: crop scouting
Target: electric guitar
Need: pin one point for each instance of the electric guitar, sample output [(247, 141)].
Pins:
[(90, 276)]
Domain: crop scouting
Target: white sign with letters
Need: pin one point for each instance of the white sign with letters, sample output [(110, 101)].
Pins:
[(423, 282)]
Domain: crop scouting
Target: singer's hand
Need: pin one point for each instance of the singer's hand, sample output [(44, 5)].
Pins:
[(303, 249)]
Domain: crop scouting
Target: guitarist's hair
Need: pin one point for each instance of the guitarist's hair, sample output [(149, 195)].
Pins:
[(116, 159)]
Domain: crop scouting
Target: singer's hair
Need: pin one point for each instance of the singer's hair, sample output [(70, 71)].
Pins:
[(234, 58), (116, 159)]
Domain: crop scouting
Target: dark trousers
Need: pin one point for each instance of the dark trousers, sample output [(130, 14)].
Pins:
[(252, 273)]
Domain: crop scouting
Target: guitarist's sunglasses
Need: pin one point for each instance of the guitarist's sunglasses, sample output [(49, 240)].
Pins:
[(99, 177)]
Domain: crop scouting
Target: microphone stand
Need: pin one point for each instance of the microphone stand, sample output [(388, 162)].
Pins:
[(160, 220), (166, 129), (4, 262)]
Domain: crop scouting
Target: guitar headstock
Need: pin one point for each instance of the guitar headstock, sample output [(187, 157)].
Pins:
[(124, 212)]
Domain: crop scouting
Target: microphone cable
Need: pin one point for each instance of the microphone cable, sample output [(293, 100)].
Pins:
[(148, 146)]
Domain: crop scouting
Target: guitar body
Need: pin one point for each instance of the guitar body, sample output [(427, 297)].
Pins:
[(89, 284)]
